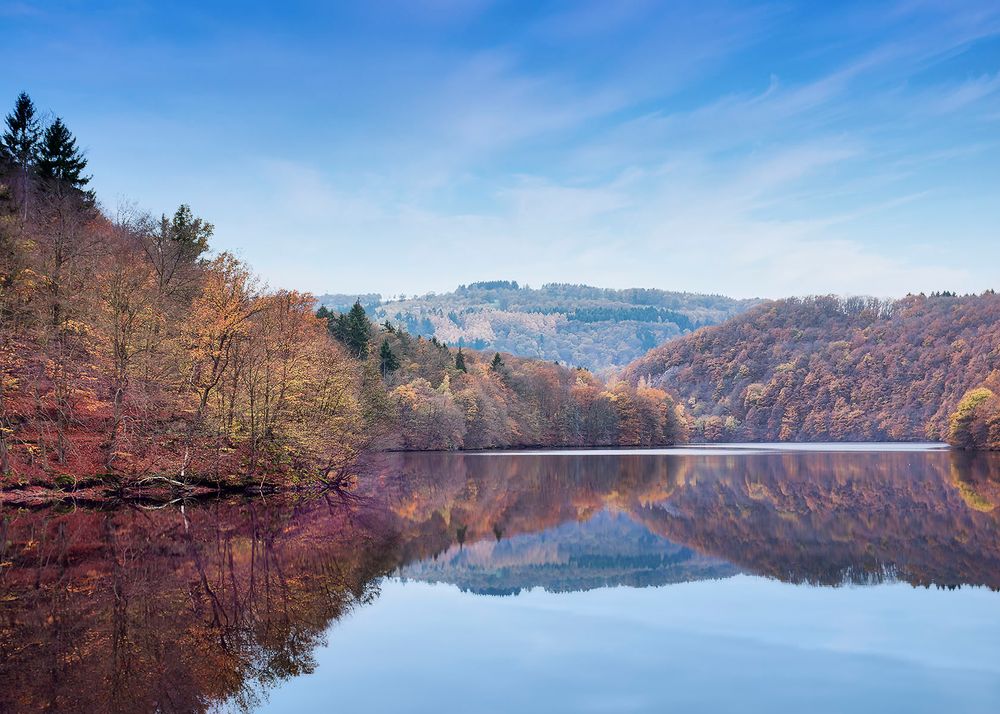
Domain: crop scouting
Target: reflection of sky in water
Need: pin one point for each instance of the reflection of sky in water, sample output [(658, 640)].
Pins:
[(740, 644)]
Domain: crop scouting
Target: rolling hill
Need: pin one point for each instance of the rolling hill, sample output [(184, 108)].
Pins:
[(826, 368), (577, 325)]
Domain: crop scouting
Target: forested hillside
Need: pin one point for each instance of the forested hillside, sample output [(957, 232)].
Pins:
[(576, 325), (452, 398), (825, 368), (131, 355)]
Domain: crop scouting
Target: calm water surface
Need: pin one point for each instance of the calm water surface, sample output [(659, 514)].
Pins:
[(733, 579)]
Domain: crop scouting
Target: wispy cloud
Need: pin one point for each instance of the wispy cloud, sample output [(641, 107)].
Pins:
[(715, 145)]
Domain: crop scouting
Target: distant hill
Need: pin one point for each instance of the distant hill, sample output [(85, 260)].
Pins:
[(577, 325), (825, 368)]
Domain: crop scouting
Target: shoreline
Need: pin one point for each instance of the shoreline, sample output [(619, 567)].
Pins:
[(38, 495), (94, 493)]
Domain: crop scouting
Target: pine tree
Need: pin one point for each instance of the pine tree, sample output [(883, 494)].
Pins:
[(460, 360), (497, 364), (359, 330), (60, 164), (337, 325), (20, 141), (190, 232), (387, 362)]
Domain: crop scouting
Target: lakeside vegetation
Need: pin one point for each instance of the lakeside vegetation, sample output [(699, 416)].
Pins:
[(975, 424), (445, 398), (833, 369), (131, 356)]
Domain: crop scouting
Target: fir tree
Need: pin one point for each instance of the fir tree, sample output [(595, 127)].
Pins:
[(497, 364), (460, 361), (337, 325), (190, 232), (60, 164), (387, 360), (358, 331), (19, 143)]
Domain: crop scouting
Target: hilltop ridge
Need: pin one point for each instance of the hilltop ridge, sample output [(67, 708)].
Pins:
[(577, 325)]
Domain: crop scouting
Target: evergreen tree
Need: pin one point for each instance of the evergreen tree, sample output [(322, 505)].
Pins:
[(337, 325), (497, 364), (323, 313), (190, 232), (359, 329), (19, 143), (387, 361), (60, 163), (19, 146), (460, 360)]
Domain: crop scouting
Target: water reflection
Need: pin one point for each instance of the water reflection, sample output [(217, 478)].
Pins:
[(181, 610), (136, 610), (924, 517)]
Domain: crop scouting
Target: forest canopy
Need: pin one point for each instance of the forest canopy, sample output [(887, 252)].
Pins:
[(827, 368), (454, 398)]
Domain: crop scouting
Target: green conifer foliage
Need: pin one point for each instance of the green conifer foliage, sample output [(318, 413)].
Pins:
[(19, 143), (359, 329), (388, 362), (60, 162)]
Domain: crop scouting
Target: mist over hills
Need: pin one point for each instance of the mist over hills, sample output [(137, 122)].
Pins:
[(577, 325)]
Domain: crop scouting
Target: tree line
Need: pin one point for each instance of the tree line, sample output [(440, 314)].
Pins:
[(579, 325)]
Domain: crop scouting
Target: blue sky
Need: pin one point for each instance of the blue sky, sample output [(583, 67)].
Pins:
[(412, 145)]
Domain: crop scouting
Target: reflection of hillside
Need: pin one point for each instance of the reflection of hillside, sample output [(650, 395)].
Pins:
[(605, 550), (171, 610), (441, 499), (924, 517), (827, 518), (168, 611)]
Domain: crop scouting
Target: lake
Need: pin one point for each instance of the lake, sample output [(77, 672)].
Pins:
[(825, 578)]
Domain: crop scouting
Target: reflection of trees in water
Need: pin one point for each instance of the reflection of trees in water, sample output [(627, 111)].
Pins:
[(176, 611), (976, 475), (826, 518), (835, 518)]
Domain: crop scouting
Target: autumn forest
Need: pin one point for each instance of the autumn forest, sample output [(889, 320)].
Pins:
[(133, 355)]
